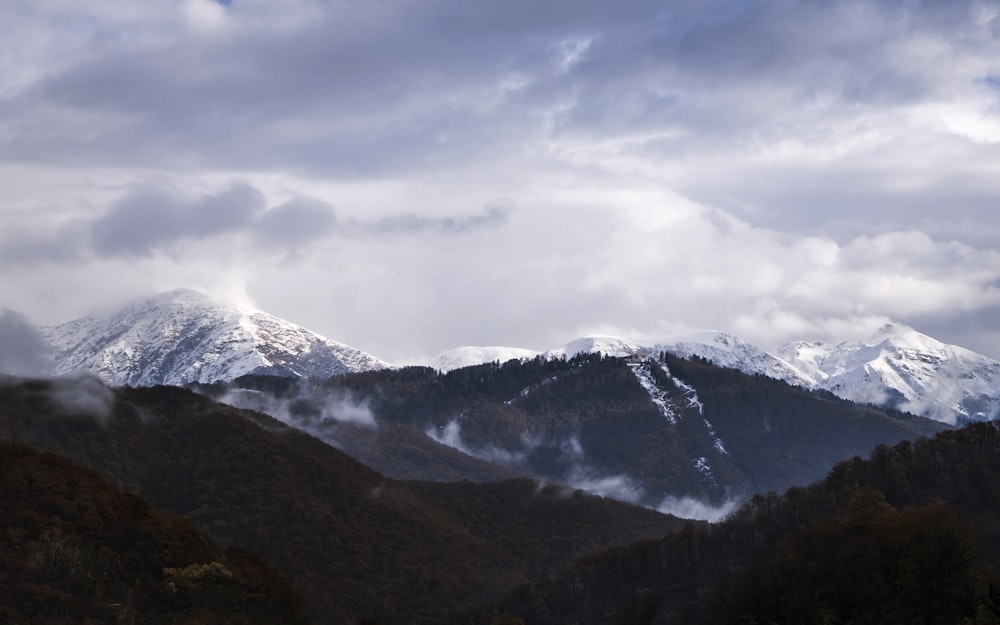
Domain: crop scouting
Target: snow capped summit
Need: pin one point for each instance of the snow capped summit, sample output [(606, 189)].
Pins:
[(896, 366), (901, 367), (183, 336)]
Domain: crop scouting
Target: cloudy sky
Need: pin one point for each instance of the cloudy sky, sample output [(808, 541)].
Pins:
[(410, 176)]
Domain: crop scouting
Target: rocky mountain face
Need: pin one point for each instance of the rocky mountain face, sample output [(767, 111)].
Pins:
[(182, 336)]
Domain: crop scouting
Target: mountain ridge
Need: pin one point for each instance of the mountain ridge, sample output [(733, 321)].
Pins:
[(895, 367), (182, 337)]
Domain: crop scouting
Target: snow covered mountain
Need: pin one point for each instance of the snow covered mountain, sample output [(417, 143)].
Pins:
[(183, 336), (896, 367), (900, 367)]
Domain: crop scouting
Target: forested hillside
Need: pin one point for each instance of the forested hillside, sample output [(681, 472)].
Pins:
[(354, 543), (638, 429), (910, 535), (77, 550)]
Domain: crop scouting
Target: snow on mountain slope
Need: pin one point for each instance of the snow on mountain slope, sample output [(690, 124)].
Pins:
[(726, 350), (897, 367), (901, 367), (469, 356), (183, 336), (722, 349), (657, 395)]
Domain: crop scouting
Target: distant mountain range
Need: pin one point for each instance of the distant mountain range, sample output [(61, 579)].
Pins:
[(183, 337), (896, 367)]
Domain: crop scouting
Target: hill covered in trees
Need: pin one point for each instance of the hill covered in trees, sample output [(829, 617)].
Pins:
[(354, 543), (359, 545), (910, 535), (75, 549), (639, 429)]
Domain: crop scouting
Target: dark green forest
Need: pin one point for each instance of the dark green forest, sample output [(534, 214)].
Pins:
[(354, 543), (75, 549), (556, 419), (909, 535)]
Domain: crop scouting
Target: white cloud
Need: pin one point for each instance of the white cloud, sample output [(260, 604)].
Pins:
[(205, 14), (510, 174)]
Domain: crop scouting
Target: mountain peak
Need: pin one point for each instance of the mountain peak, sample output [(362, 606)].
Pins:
[(900, 367), (185, 336)]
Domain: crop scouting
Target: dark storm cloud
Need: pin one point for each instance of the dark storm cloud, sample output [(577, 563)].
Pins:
[(23, 351), (152, 219)]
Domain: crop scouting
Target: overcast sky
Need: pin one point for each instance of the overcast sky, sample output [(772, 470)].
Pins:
[(407, 177)]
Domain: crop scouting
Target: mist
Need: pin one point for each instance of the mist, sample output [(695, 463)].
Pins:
[(311, 409), (451, 436), (579, 475), (23, 351), (83, 394), (691, 508), (619, 487)]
